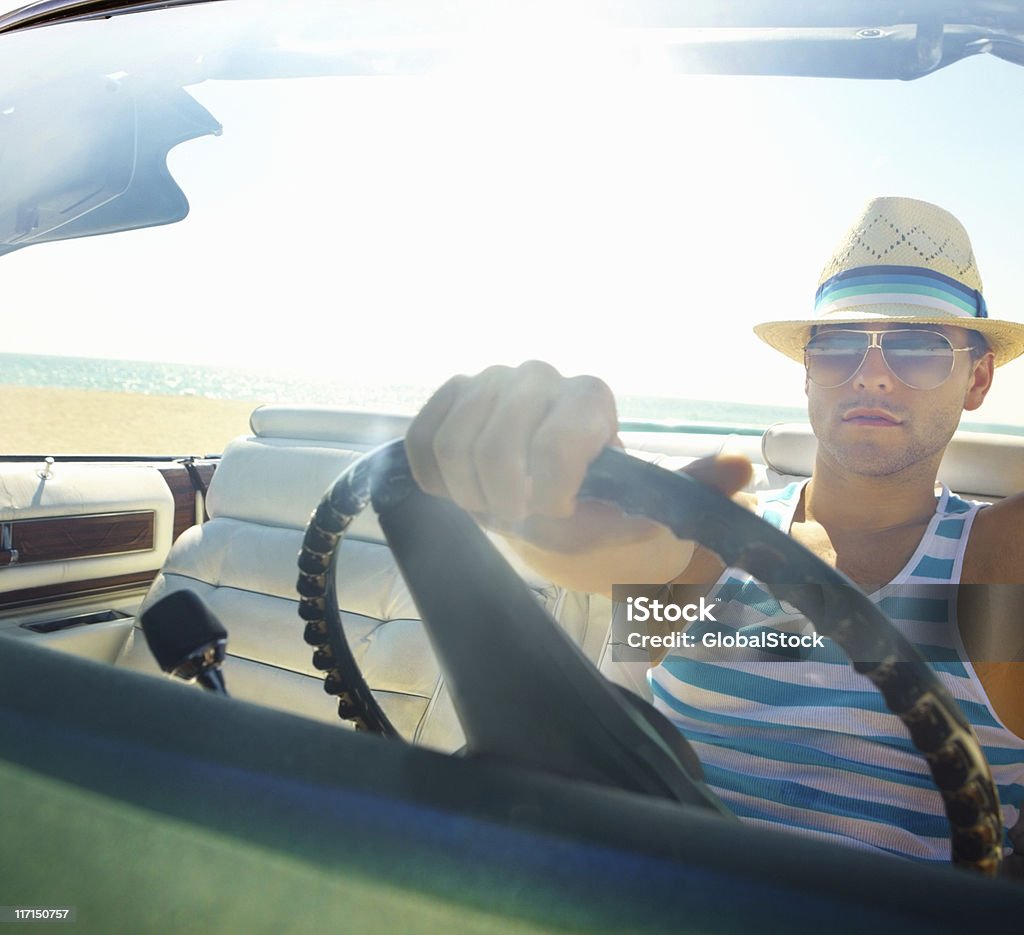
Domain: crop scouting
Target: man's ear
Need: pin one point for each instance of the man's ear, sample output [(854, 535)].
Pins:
[(980, 382)]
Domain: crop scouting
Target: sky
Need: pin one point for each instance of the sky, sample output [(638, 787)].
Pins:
[(636, 228)]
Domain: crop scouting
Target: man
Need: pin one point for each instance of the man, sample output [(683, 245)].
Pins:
[(899, 346)]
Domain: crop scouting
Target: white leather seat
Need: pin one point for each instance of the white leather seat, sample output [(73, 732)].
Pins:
[(242, 563)]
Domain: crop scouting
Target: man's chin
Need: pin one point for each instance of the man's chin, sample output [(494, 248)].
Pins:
[(870, 459), (874, 458)]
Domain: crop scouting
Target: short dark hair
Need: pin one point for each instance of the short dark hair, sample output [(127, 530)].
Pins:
[(978, 344)]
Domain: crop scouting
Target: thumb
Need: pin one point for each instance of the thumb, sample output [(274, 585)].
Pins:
[(726, 473)]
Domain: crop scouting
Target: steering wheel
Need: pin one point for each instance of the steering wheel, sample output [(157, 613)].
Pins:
[(525, 693)]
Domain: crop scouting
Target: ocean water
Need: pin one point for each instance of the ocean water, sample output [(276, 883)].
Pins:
[(176, 379)]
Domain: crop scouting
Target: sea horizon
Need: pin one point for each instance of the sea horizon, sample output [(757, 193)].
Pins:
[(236, 383)]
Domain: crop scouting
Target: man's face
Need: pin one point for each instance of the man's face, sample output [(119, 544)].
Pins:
[(877, 425)]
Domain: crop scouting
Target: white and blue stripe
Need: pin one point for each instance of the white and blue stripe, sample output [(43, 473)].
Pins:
[(899, 285), (801, 741)]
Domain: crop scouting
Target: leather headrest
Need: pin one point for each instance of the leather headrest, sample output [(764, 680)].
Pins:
[(978, 463), (326, 423)]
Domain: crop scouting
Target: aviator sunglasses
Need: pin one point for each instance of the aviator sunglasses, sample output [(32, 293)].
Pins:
[(920, 358)]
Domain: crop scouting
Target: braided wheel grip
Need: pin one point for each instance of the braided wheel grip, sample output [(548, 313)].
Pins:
[(318, 605), (841, 611), (956, 761)]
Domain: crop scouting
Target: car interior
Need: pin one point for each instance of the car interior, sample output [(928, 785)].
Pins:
[(524, 782)]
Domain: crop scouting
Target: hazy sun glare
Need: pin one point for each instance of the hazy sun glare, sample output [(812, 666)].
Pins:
[(635, 228)]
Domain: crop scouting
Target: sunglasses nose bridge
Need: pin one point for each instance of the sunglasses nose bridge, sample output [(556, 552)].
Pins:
[(870, 364)]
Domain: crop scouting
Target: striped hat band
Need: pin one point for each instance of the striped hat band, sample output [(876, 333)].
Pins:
[(898, 285)]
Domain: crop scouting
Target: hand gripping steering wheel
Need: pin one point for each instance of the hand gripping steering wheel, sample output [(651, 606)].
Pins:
[(525, 693)]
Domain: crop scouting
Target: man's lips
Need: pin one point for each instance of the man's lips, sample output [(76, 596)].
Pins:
[(879, 417)]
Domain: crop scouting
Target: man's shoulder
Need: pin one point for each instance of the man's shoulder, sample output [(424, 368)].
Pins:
[(1002, 512), (996, 549)]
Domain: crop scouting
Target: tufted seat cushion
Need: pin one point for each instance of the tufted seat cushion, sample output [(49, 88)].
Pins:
[(242, 563)]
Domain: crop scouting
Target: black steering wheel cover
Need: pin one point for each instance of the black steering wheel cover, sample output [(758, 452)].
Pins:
[(318, 600), (837, 608)]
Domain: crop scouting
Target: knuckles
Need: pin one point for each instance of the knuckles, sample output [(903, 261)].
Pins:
[(449, 446), (592, 387), (494, 447), (539, 370), (513, 429)]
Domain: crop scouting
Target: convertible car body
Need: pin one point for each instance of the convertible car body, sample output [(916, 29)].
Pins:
[(242, 240)]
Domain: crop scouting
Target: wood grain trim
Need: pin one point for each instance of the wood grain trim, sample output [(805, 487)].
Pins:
[(180, 485), (25, 597), (59, 538), (184, 493), (184, 496), (206, 471)]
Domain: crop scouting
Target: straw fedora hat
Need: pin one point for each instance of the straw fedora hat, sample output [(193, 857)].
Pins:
[(902, 261)]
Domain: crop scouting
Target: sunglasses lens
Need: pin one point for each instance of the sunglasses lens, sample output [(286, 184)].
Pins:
[(921, 359), (833, 357)]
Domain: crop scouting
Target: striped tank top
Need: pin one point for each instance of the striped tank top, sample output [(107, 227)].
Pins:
[(796, 739)]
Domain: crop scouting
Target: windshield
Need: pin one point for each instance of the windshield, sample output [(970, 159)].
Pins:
[(365, 218)]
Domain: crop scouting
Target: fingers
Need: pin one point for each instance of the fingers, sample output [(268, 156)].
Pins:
[(580, 424), (419, 439), (511, 442)]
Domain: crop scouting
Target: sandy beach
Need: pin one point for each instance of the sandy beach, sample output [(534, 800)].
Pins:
[(48, 421)]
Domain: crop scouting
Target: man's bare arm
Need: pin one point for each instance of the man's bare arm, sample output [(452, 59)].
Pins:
[(990, 608), (995, 553)]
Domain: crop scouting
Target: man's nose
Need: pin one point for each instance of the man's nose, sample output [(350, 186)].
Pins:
[(874, 373)]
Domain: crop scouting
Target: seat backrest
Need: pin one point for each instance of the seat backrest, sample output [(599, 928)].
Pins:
[(976, 465), (242, 563)]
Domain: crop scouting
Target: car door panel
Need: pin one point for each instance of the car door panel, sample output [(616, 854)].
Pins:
[(79, 544)]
